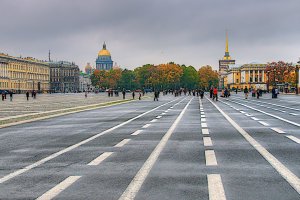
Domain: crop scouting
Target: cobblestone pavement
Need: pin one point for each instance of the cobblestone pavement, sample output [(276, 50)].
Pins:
[(49, 102)]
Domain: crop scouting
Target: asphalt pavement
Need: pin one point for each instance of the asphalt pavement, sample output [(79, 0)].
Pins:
[(175, 148)]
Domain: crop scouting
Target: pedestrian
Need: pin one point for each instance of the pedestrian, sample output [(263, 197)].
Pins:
[(11, 95), (257, 93), (27, 95), (253, 92), (123, 92), (276, 92), (133, 94), (85, 94), (211, 92), (3, 96), (215, 93), (236, 90), (246, 91), (156, 95), (273, 92), (140, 96), (34, 94), (201, 94)]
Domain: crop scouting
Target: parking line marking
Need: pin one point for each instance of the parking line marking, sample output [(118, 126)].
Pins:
[(277, 130), (294, 114), (254, 118), (297, 140), (52, 193), (146, 126), (158, 117), (204, 125), (248, 115), (203, 116), (203, 119), (202, 113), (289, 176), (263, 123), (205, 132), (122, 143), (210, 158), (135, 185), (215, 187), (100, 158), (207, 141), (153, 120), (163, 113), (137, 132), (74, 146)]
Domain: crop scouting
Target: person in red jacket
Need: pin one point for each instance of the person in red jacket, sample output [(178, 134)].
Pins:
[(215, 92)]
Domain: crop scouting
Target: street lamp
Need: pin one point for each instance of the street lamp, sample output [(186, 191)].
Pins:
[(297, 77)]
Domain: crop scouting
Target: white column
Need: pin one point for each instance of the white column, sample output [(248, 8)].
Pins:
[(253, 76), (257, 75), (263, 76)]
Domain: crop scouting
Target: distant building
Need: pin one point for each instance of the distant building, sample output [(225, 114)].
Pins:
[(64, 76), (23, 74), (85, 83), (88, 69), (224, 64), (104, 61), (251, 75)]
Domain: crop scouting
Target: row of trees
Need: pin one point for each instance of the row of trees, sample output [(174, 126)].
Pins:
[(163, 76)]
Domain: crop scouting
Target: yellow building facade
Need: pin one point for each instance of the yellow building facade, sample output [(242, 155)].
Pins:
[(251, 75), (23, 74)]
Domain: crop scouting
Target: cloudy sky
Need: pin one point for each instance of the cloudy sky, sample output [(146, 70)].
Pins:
[(137, 32)]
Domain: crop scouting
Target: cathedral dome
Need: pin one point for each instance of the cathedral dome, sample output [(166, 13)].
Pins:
[(104, 51)]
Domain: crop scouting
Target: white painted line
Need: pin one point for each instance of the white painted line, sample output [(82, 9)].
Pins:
[(137, 132), (171, 107), (100, 158), (204, 125), (146, 126), (254, 118), (158, 117), (122, 143), (275, 116), (297, 140), (242, 112), (210, 158), (203, 116), (166, 111), (294, 114), (202, 113), (248, 115), (163, 113), (135, 185), (263, 123), (277, 130), (215, 187), (291, 178), (205, 132), (203, 119), (74, 146), (59, 188), (207, 141), (153, 120)]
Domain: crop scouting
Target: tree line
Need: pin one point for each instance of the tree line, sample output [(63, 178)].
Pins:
[(159, 77)]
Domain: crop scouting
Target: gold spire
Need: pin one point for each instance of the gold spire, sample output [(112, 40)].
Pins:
[(226, 56), (226, 49)]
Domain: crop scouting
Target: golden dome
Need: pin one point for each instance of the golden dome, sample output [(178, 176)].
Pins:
[(103, 52)]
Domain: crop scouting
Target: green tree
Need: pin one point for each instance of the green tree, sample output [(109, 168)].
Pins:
[(189, 78)]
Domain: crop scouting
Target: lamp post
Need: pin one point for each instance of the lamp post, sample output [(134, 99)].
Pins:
[(274, 71), (297, 77)]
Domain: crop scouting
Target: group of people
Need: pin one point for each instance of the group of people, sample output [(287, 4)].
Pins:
[(5, 93)]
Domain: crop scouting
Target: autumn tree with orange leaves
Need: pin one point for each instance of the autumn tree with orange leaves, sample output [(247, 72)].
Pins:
[(280, 72), (208, 77)]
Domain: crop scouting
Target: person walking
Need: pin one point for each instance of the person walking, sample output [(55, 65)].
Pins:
[(27, 95), (257, 93), (133, 94), (201, 94), (3, 96), (215, 93), (123, 93), (236, 90), (85, 94), (246, 91), (156, 94), (211, 92), (11, 95)]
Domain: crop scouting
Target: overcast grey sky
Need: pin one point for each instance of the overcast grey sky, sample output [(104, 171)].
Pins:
[(137, 32)]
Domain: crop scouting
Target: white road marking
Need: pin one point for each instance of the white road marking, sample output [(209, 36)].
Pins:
[(280, 118), (166, 111), (207, 141), (138, 180), (297, 140), (204, 125), (59, 188), (254, 118), (203, 119), (137, 132), (277, 130), (146, 126), (163, 113), (263, 123), (291, 178), (210, 158), (215, 187), (153, 120), (172, 107), (158, 117), (122, 143), (248, 115), (202, 115), (205, 132), (294, 114), (100, 158), (74, 146), (242, 112)]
